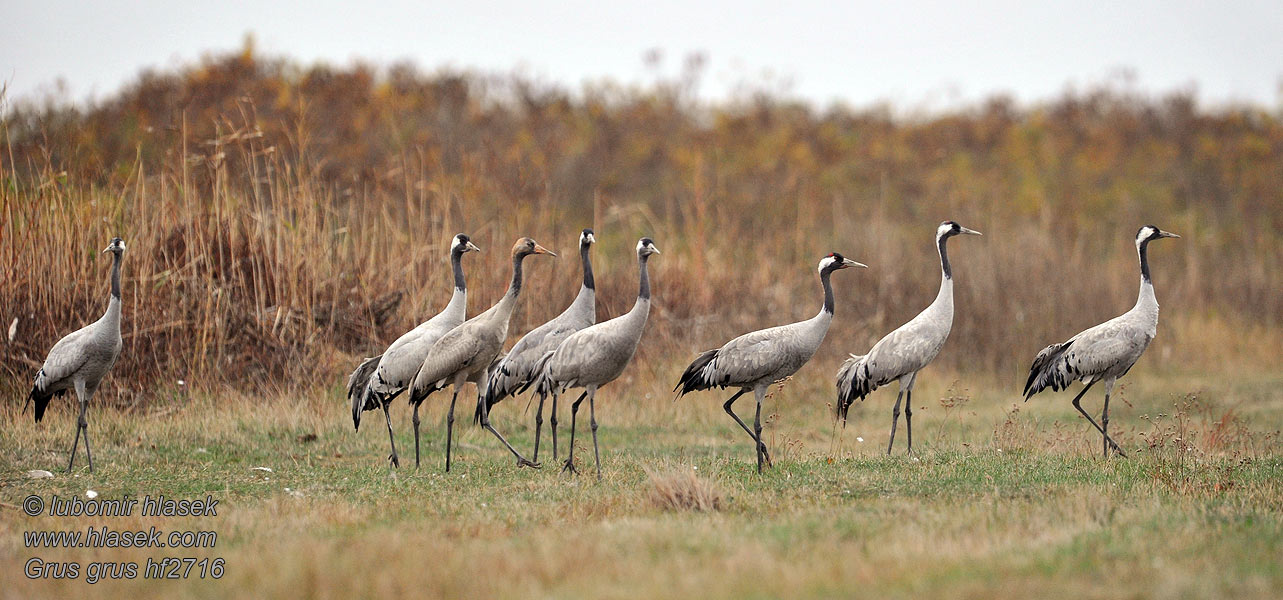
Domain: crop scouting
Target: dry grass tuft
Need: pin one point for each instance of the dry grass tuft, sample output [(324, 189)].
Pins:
[(681, 489)]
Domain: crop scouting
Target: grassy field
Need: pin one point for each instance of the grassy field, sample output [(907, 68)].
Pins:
[(1002, 499), (284, 220)]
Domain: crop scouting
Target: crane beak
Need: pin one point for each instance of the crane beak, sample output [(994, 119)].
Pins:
[(970, 231), (1167, 234), (848, 263), (655, 249), (541, 250), (471, 247)]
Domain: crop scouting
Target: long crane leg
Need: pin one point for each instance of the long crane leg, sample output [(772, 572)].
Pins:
[(757, 426), (1078, 406), (729, 411), (539, 428), (485, 422), (570, 453), (895, 417), (392, 439), (449, 430), (592, 420)]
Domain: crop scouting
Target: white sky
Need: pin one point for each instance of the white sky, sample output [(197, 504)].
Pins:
[(914, 54)]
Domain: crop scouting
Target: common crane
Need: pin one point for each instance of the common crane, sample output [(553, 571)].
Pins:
[(380, 379), (80, 360), (905, 351), (1104, 352), (516, 372), (754, 361), (466, 352), (597, 355)]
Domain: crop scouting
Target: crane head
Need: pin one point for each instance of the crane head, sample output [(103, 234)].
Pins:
[(117, 246), (586, 238), (1150, 233), (462, 243), (526, 246), (952, 228), (835, 261), (646, 247)]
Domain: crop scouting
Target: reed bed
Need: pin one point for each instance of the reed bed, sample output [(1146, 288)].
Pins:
[(282, 221)]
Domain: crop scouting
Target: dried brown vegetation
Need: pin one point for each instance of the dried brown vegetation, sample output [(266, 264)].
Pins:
[(283, 221), (681, 489)]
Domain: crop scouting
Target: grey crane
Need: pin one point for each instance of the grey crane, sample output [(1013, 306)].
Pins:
[(465, 354), (1104, 352), (380, 379), (516, 372), (595, 356), (80, 360), (905, 351), (755, 360)]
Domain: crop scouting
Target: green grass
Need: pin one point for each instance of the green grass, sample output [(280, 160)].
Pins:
[(994, 504)]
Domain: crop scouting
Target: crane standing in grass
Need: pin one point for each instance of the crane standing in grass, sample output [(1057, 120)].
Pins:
[(597, 355), (379, 380), (1104, 352), (466, 352), (905, 351), (517, 371), (754, 361), (80, 360)]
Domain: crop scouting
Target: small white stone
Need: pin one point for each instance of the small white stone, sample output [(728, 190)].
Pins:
[(39, 474), (263, 469), (859, 439), (91, 494)]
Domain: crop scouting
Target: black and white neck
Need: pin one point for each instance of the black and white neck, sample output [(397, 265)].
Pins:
[(586, 240), (942, 237), (643, 288), (456, 263), (828, 265), (1144, 236), (645, 248), (117, 250)]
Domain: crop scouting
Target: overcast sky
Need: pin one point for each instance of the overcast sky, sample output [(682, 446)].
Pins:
[(916, 55)]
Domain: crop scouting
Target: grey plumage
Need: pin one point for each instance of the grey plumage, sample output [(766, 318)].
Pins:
[(79, 361), (905, 351), (465, 353), (1104, 352), (755, 360), (518, 370), (597, 355), (380, 379)]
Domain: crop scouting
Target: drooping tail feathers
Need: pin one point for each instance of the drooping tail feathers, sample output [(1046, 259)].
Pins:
[(696, 377), (357, 385), (853, 383), (486, 388), (1049, 371), (542, 381), (41, 400)]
